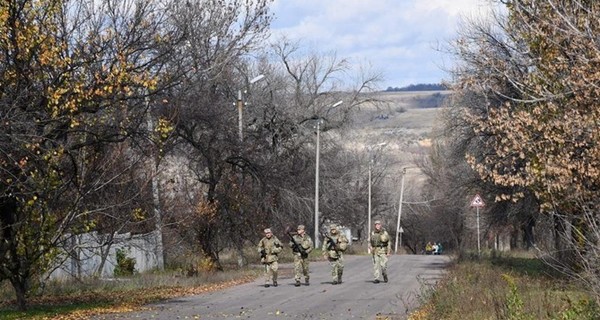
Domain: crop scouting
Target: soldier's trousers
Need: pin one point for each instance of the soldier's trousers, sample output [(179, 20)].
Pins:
[(300, 267), (271, 272), (337, 268), (379, 264)]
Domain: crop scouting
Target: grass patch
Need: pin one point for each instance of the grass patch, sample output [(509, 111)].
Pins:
[(77, 300), (505, 288)]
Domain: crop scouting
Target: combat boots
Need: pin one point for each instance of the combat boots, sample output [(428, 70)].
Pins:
[(297, 284), (306, 281), (340, 277), (385, 278)]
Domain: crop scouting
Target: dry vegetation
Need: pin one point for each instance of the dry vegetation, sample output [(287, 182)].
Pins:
[(517, 286)]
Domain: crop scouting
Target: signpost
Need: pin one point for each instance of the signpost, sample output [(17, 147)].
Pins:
[(477, 202)]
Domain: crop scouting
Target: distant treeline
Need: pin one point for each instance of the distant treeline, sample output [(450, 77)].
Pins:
[(420, 87)]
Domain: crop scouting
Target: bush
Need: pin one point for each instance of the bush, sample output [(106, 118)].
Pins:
[(125, 265)]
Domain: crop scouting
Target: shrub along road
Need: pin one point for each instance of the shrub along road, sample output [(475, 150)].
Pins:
[(357, 297)]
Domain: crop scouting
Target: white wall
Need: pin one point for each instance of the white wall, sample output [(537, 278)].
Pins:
[(87, 250)]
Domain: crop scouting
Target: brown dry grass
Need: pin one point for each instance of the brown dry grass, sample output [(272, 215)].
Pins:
[(510, 287)]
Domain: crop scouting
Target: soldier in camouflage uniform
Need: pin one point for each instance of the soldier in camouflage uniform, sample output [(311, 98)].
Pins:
[(334, 245), (269, 247), (301, 246), (381, 247)]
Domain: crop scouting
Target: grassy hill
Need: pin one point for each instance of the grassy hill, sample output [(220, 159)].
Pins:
[(402, 120), (401, 117)]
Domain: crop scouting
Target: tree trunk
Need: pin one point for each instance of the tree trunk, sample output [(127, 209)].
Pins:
[(563, 241), (20, 286), (528, 235), (105, 246), (242, 261), (206, 240)]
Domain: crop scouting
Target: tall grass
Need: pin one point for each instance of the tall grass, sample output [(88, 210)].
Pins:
[(506, 287)]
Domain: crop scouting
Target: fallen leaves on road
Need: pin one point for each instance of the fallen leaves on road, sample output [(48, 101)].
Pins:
[(127, 301)]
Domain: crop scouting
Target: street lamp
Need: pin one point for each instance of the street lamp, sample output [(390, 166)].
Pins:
[(398, 227), (318, 127), (240, 106), (369, 208)]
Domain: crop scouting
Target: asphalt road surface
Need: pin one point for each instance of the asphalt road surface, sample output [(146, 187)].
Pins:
[(410, 276)]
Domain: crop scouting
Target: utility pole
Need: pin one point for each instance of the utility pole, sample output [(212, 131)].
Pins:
[(399, 230)]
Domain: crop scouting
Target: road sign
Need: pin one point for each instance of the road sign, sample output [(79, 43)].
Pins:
[(477, 202)]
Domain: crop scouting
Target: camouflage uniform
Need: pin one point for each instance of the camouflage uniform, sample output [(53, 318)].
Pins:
[(301, 258), (269, 247), (381, 248), (333, 250)]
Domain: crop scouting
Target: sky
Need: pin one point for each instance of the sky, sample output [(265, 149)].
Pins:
[(397, 38)]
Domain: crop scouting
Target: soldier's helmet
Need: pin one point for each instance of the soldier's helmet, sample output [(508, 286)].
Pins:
[(333, 228), (301, 227)]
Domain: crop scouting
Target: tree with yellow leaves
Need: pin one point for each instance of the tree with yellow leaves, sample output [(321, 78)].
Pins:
[(72, 79)]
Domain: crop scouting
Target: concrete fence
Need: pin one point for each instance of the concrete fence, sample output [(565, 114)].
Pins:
[(82, 257)]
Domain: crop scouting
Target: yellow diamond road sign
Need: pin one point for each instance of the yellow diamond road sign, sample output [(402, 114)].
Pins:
[(477, 201)]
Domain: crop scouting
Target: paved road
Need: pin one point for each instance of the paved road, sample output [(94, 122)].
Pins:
[(357, 297)]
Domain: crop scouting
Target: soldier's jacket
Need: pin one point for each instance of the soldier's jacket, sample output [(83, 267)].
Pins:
[(304, 241), (380, 241), (341, 244), (272, 248)]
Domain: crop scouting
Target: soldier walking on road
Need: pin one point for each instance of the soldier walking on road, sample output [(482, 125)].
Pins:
[(301, 245), (269, 247), (334, 245), (381, 248)]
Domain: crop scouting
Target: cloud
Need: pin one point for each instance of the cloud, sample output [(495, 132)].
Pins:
[(397, 36)]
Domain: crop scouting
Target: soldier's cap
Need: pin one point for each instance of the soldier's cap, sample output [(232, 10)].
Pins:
[(268, 230), (300, 227), (377, 221), (332, 226)]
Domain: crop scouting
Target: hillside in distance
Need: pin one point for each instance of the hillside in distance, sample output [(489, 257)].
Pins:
[(402, 120)]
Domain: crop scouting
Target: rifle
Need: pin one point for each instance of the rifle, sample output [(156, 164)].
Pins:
[(263, 253), (296, 247), (330, 241)]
